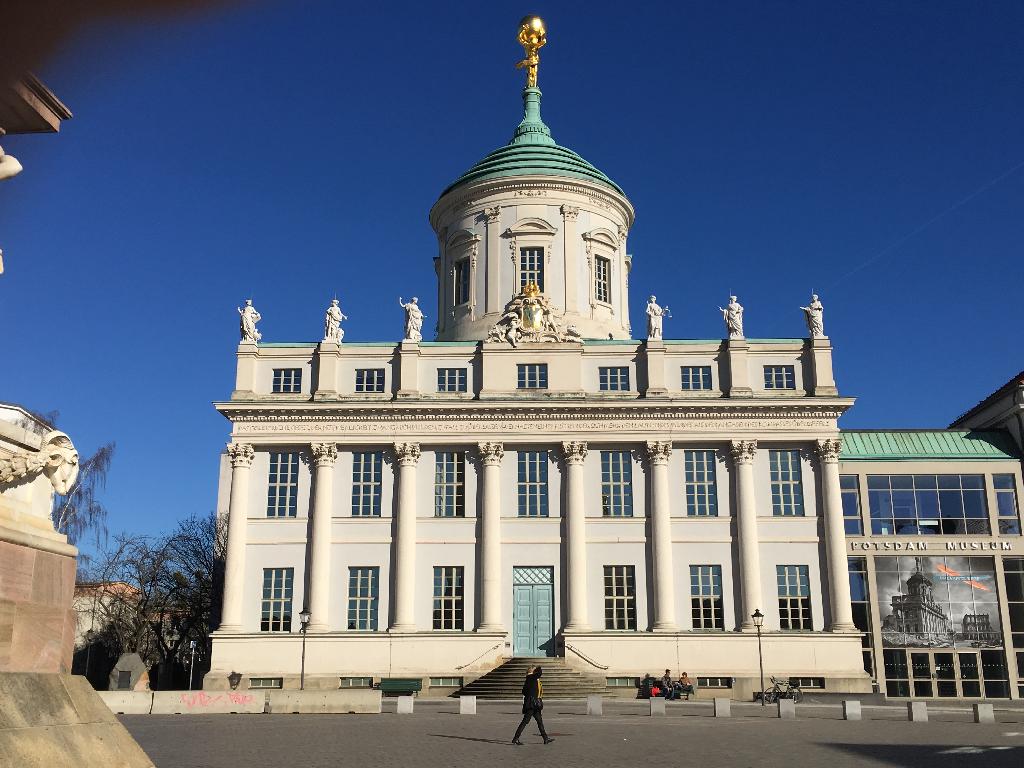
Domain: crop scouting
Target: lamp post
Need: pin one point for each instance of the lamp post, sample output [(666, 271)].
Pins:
[(303, 623), (758, 619), (192, 662)]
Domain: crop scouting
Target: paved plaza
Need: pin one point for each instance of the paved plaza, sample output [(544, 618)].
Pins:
[(436, 735)]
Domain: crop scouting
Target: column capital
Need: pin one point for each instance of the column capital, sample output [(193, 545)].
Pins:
[(658, 452), (828, 450), (407, 454), (324, 454), (491, 454), (241, 454), (493, 214), (570, 212), (574, 452), (743, 451)]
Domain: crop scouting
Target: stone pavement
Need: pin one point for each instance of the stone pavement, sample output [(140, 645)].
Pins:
[(435, 735)]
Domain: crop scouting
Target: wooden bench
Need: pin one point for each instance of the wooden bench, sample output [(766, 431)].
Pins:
[(400, 686)]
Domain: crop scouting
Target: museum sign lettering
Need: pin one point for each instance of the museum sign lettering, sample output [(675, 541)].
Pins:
[(925, 546)]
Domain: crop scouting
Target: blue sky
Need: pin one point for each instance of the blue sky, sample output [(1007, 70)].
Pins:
[(286, 151)]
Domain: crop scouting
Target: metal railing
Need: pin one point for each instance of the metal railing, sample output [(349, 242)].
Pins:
[(493, 647), (584, 656)]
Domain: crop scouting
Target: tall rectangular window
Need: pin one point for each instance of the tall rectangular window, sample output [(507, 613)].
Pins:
[(533, 483), (451, 379), (937, 504), (787, 486), (860, 600), (779, 377), (1006, 504), (276, 608), (616, 484), (850, 489), (602, 280), (449, 484), (706, 597), (366, 483), (461, 282), (794, 585), (362, 598), (370, 380), (1014, 580), (696, 377), (532, 376), (613, 379), (531, 267), (448, 597), (287, 380), (283, 485), (701, 487), (619, 597)]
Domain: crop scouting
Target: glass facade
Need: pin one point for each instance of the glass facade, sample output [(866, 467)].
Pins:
[(1006, 504), (927, 504), (850, 490)]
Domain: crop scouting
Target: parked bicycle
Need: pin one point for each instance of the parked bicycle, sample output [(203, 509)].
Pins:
[(782, 689)]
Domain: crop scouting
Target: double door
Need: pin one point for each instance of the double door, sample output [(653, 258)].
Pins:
[(945, 674), (533, 616)]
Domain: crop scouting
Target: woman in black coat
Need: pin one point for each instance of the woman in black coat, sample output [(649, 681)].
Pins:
[(533, 703)]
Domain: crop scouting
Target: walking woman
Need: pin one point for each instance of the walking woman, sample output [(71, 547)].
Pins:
[(533, 703)]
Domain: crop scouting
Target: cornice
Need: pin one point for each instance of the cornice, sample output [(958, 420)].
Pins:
[(472, 194), (813, 419)]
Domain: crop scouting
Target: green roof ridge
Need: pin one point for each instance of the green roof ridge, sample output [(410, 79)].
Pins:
[(925, 444)]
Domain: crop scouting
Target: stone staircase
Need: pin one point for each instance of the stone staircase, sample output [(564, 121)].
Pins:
[(560, 680)]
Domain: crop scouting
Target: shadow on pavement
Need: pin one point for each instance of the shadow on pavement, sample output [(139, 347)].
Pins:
[(503, 742), (936, 756)]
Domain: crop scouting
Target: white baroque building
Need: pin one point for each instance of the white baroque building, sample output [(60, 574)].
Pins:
[(564, 490)]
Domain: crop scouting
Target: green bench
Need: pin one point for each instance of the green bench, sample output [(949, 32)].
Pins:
[(400, 686)]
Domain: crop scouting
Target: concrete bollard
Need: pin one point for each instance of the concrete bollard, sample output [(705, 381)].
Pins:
[(467, 705), (787, 709), (851, 710), (595, 705), (723, 707), (405, 705), (657, 706), (917, 712), (983, 713)]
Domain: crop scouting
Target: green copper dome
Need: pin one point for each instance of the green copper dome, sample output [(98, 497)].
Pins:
[(533, 152)]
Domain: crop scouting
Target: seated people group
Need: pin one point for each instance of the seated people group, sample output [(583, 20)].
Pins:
[(666, 687)]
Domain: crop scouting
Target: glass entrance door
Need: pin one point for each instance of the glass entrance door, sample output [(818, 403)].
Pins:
[(945, 674)]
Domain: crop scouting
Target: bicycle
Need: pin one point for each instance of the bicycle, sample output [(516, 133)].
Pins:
[(782, 689)]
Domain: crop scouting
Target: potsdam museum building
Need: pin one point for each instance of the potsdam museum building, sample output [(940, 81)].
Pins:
[(537, 482)]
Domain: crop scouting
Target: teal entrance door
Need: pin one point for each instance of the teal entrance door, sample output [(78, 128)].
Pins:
[(533, 615)]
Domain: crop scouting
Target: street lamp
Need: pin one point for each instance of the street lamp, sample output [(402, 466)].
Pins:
[(303, 624), (192, 662), (758, 619)]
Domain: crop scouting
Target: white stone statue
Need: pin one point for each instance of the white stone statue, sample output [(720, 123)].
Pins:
[(413, 319), (733, 316), (813, 315), (655, 318), (332, 323), (57, 459), (248, 319)]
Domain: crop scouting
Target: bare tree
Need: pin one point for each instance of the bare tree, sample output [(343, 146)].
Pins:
[(155, 594), (80, 509)]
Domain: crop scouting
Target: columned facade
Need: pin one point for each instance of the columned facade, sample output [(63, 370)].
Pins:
[(324, 457), (835, 538), (743, 454), (574, 454), (407, 456), (241, 456), (658, 454)]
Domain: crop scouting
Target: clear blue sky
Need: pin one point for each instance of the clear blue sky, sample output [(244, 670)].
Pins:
[(290, 150)]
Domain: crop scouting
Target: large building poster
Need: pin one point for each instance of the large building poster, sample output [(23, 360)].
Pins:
[(938, 602)]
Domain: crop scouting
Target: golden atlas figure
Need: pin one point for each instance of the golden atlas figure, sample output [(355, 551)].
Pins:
[(533, 37)]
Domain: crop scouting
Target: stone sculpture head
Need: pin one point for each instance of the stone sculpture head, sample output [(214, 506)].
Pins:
[(61, 467)]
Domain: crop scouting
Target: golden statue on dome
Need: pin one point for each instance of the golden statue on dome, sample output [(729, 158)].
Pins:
[(530, 316), (532, 36)]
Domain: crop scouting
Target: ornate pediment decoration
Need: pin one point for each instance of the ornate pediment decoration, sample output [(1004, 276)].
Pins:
[(530, 317)]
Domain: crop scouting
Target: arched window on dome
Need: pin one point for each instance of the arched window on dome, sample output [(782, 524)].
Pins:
[(460, 258), (602, 247), (530, 240)]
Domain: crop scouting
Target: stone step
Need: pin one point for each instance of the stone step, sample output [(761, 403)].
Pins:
[(560, 680)]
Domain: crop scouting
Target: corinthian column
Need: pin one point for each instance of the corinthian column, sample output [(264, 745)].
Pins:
[(576, 537), (835, 536), (743, 453), (404, 567), (324, 456), (241, 456), (658, 454), (490, 539)]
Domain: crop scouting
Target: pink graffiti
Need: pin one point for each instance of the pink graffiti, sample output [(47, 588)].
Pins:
[(203, 699)]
